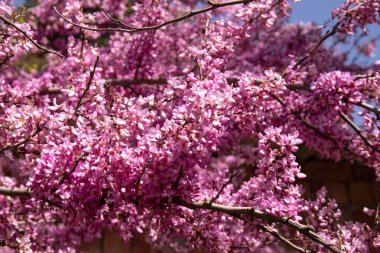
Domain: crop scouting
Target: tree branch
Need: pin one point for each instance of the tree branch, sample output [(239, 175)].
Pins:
[(314, 128), (92, 73), (358, 131), (14, 191), (118, 21), (311, 52), (39, 46), (232, 175), (359, 77), (212, 6), (281, 238), (25, 141), (76, 163), (128, 82), (305, 230), (369, 107)]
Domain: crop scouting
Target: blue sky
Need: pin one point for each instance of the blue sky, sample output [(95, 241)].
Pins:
[(319, 11)]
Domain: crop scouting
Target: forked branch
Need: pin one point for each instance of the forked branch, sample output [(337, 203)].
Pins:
[(131, 29), (39, 46), (305, 230)]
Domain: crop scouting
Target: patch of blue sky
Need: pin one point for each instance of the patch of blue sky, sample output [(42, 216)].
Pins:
[(319, 11)]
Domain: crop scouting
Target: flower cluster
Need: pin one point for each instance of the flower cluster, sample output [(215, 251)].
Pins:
[(179, 120), (355, 14), (13, 41)]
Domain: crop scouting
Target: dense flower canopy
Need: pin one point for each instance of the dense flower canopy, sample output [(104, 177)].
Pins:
[(180, 120)]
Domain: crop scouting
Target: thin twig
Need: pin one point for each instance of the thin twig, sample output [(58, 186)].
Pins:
[(212, 6), (118, 21), (92, 73), (108, 29), (280, 237), (311, 52), (76, 163), (25, 141), (39, 46), (128, 82), (233, 174), (358, 131), (314, 128), (366, 76)]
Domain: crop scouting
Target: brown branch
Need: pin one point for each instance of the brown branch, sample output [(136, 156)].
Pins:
[(342, 115), (231, 210), (39, 46), (238, 210), (108, 29), (366, 76), (25, 141), (128, 82), (358, 131), (14, 191), (118, 21), (376, 222), (23, 192), (92, 73), (50, 91), (76, 163), (233, 174), (314, 128), (212, 6), (281, 238), (311, 52), (369, 107), (362, 104), (9, 245), (114, 82)]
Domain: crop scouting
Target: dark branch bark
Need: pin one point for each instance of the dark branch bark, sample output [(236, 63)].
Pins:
[(76, 163), (369, 107), (212, 6), (305, 230), (39, 46), (128, 82), (92, 73), (281, 238), (359, 77), (117, 21), (358, 131), (232, 175), (335, 29), (14, 192), (23, 142)]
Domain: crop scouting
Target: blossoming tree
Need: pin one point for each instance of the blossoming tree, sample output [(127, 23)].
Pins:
[(180, 120)]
